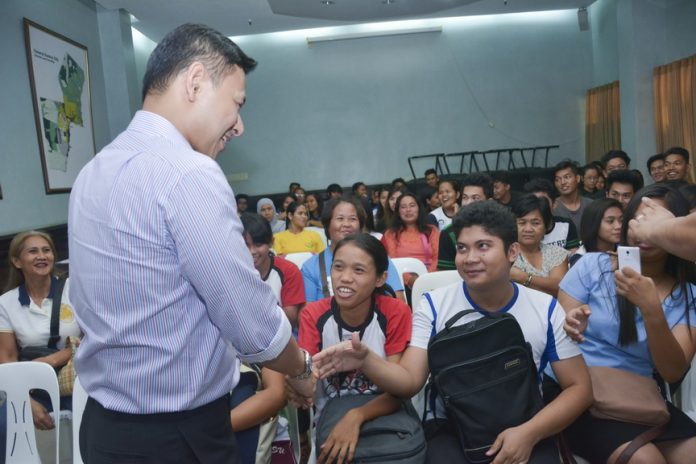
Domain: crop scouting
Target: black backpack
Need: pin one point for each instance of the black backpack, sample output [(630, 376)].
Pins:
[(485, 374)]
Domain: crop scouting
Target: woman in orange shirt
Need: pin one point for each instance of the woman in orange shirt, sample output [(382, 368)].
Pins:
[(410, 235)]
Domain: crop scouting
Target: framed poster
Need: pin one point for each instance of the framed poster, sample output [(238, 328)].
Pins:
[(60, 88)]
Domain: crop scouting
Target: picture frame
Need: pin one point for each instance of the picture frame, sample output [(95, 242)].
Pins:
[(61, 94)]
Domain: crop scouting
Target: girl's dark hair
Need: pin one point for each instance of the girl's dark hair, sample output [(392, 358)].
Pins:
[(331, 205), (398, 225), (292, 207), (453, 183), (592, 220), (387, 214), (528, 203), (682, 270), (257, 228), (279, 205), (369, 245), (316, 215)]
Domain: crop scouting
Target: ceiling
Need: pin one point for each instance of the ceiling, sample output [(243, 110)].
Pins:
[(154, 18)]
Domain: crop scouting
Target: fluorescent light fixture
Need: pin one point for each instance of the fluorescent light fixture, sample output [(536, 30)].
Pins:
[(375, 33)]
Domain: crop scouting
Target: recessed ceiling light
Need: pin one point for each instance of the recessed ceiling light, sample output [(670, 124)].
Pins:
[(388, 2), (327, 2)]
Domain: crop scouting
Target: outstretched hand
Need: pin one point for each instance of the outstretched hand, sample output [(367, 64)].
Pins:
[(348, 355), (576, 322), (652, 217)]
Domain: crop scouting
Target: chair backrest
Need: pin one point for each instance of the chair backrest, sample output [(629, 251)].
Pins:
[(321, 232), (79, 400), (16, 379), (431, 281), (377, 235), (298, 259), (404, 265)]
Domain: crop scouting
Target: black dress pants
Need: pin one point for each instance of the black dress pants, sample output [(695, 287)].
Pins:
[(201, 435)]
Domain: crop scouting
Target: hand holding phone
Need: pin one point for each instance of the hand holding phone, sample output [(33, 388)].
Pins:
[(629, 257)]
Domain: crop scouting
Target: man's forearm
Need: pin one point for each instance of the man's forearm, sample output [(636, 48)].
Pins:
[(290, 361), (676, 236)]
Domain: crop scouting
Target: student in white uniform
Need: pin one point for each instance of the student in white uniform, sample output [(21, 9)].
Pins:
[(486, 248)]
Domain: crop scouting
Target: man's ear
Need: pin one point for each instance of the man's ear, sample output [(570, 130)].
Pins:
[(194, 77), (513, 252)]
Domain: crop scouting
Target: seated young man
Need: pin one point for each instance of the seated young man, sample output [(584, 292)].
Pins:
[(486, 248), (475, 187)]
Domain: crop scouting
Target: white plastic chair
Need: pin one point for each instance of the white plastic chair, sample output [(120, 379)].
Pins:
[(431, 281), (321, 232), (16, 379), (79, 400), (298, 259), (688, 392), (377, 235), (425, 283), (404, 265)]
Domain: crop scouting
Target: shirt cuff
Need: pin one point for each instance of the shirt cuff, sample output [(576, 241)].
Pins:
[(278, 344)]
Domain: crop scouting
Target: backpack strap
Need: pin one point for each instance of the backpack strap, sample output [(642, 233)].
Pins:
[(55, 313), (324, 278)]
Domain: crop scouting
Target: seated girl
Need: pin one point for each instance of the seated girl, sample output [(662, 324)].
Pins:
[(539, 266), (295, 239), (266, 209), (410, 235), (357, 274), (282, 276), (639, 322), (448, 192), (287, 199), (600, 228), (314, 210)]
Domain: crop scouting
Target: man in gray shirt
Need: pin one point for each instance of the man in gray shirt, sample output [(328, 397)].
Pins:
[(569, 204)]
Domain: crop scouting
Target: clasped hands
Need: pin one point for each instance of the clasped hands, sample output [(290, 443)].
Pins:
[(342, 357)]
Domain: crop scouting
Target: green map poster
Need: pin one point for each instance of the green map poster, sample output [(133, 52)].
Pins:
[(59, 74)]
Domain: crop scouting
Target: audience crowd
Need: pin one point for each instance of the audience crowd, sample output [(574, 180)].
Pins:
[(516, 251)]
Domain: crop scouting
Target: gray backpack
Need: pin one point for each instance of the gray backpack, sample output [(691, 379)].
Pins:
[(395, 438)]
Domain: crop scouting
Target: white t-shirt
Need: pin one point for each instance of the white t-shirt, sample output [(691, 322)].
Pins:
[(540, 317), (441, 218), (31, 323)]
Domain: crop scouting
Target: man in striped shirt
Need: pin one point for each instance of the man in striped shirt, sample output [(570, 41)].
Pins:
[(163, 285)]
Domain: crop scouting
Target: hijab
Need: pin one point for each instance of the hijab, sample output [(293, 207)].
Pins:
[(276, 225)]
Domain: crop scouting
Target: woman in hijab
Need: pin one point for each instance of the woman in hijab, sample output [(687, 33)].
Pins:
[(266, 209)]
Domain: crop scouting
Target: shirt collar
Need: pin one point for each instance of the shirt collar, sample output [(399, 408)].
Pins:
[(24, 299), (154, 124)]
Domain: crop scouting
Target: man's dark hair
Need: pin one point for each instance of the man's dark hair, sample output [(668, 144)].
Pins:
[(611, 154), (241, 196), (334, 188), (528, 203), (653, 158), (258, 229), (502, 176), (689, 192), (429, 171), (540, 184), (293, 186), (397, 180), (187, 44), (495, 219), (566, 164), (330, 206), (479, 180), (681, 151), (357, 185), (624, 176)]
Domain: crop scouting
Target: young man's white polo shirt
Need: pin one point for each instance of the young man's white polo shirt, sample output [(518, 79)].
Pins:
[(31, 323), (540, 317)]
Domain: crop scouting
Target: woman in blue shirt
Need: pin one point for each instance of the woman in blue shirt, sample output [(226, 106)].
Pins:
[(638, 322)]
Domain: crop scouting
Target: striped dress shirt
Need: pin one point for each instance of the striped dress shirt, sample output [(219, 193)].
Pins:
[(162, 283)]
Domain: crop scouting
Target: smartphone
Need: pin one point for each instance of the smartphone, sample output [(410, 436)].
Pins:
[(629, 257)]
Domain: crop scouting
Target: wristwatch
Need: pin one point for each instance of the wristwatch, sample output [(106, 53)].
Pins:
[(307, 372)]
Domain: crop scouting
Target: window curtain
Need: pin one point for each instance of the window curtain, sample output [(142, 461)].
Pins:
[(602, 121), (674, 89)]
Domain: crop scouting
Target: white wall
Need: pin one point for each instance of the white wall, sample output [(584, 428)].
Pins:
[(355, 110), (25, 204)]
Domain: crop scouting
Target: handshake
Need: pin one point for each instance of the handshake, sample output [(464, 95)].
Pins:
[(342, 357)]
